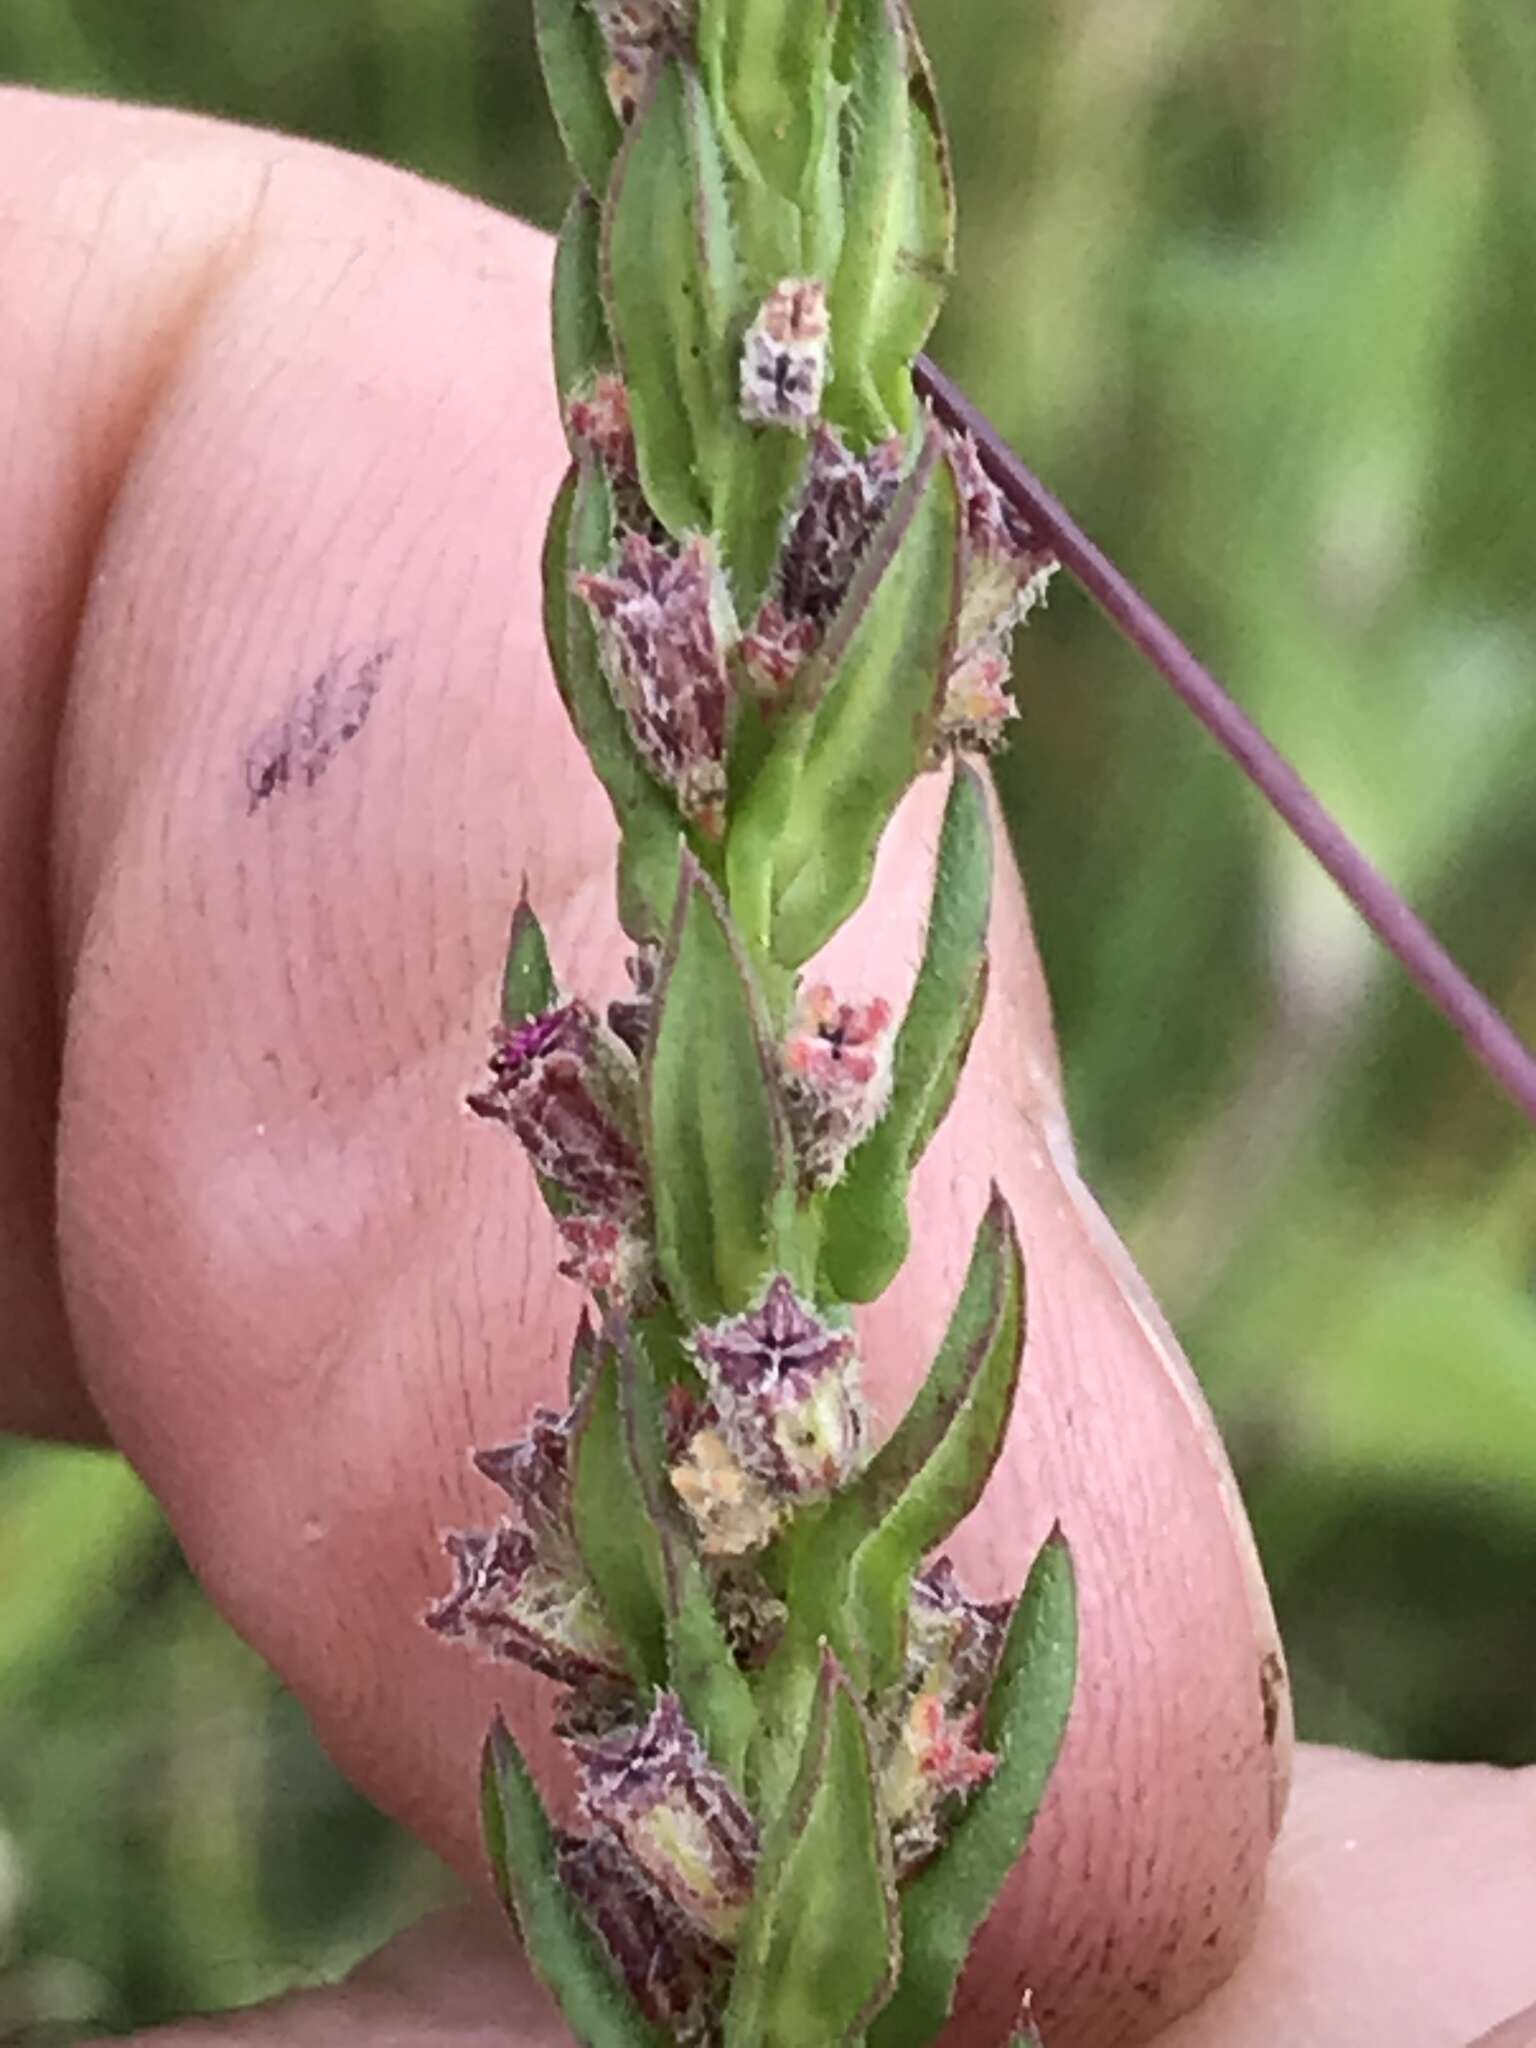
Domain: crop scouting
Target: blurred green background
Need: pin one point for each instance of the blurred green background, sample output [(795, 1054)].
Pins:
[(1254, 289)]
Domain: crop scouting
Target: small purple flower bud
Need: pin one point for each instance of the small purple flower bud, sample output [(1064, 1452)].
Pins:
[(535, 1475), (953, 1643), (675, 1812), (784, 1384), (638, 33), (630, 1020), (837, 1074), (664, 622), (551, 1082), (784, 357), (933, 1754), (1004, 570), (673, 1971), (843, 501), (513, 1605)]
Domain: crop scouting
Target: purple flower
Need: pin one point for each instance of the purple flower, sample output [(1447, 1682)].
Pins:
[(513, 1604), (784, 1384), (932, 1755), (656, 1791), (844, 499), (673, 1971), (561, 1091), (664, 623)]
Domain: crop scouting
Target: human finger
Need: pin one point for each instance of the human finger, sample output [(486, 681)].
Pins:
[(311, 745)]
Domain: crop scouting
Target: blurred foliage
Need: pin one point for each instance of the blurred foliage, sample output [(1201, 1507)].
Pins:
[(1253, 289)]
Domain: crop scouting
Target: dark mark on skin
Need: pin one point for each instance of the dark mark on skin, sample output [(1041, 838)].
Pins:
[(1271, 1692), (300, 746)]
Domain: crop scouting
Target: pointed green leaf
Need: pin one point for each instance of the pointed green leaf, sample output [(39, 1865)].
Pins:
[(769, 68), (820, 1948), (575, 64), (581, 537), (528, 981), (949, 1441), (583, 1359), (898, 241), (867, 1232), (872, 698), (701, 1667), (818, 1560), (563, 1949), (1025, 1720), (722, 1172), (673, 293), (582, 346), (613, 1527)]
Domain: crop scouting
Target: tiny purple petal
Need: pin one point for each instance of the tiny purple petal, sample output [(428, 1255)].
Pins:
[(785, 1385), (512, 1605)]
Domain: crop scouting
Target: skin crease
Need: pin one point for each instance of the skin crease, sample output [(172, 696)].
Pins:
[(270, 414)]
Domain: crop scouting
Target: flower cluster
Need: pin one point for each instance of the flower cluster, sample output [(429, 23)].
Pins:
[(778, 590)]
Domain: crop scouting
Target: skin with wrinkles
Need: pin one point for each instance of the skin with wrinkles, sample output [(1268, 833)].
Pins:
[(267, 412)]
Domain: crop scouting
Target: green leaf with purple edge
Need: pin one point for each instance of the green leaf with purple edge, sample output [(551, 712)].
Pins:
[(950, 1441), (583, 1360), (867, 1233), (528, 980), (564, 1951), (574, 60), (898, 241), (579, 326), (701, 1666), (1023, 1726), (873, 696), (581, 537), (819, 1951), (716, 1139), (672, 289), (614, 1531)]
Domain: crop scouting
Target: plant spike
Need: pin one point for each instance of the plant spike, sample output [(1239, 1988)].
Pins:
[(777, 591)]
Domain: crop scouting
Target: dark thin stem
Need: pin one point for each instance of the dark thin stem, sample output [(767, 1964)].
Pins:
[(1487, 1034)]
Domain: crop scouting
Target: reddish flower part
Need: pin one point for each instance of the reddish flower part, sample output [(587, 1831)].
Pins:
[(664, 623), (672, 1970), (785, 1385), (1004, 571), (837, 1072), (657, 1792), (513, 1605), (551, 1082)]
